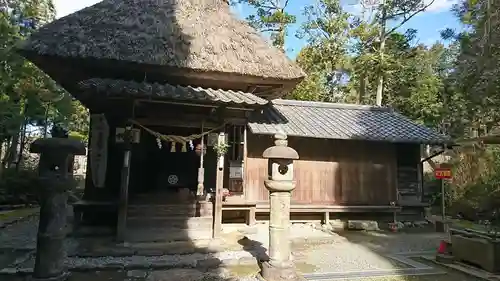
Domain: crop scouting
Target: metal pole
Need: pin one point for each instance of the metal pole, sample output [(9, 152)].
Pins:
[(443, 211), (443, 201)]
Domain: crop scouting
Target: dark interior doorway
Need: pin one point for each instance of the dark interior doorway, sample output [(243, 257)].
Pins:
[(160, 174)]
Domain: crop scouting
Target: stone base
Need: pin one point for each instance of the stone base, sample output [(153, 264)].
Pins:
[(272, 273), (444, 258), (63, 277), (204, 208)]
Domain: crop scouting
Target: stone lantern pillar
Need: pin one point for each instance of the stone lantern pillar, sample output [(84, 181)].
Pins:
[(280, 184), (55, 183)]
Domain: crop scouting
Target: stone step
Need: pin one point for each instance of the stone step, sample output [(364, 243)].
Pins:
[(163, 210), (177, 222), (166, 234)]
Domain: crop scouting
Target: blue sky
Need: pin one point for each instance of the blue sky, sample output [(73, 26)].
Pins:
[(429, 24)]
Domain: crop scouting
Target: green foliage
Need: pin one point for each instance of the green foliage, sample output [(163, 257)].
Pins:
[(270, 17), (454, 87), (28, 97), (221, 149), (475, 189), (19, 186), (327, 31)]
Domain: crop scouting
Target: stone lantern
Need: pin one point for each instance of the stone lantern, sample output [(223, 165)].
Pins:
[(56, 181), (280, 184)]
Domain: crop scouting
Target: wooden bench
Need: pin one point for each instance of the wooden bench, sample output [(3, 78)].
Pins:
[(326, 210), (249, 208), (83, 206)]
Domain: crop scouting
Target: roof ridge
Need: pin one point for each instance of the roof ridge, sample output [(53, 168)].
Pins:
[(331, 105)]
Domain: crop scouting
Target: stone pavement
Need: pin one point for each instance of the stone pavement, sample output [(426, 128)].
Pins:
[(317, 254)]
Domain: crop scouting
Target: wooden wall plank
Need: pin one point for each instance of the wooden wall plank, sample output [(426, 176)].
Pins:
[(328, 171)]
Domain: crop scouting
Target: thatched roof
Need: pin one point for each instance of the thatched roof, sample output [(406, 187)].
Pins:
[(121, 88), (202, 35)]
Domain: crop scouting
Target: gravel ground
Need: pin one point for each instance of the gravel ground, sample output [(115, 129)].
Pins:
[(387, 242), (20, 235), (349, 251), (449, 276)]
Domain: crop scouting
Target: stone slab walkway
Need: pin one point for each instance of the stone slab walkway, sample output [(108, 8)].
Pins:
[(466, 269), (319, 255)]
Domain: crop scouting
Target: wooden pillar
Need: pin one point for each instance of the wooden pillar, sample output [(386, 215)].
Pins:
[(201, 170), (218, 190), (246, 194), (89, 190), (326, 219), (124, 183)]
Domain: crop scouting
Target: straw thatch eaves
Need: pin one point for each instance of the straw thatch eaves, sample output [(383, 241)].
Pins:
[(199, 35), (120, 88)]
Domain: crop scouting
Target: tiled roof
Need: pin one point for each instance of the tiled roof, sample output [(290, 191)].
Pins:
[(113, 87), (340, 121)]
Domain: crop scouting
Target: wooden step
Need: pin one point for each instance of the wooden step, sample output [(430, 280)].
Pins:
[(162, 210), (166, 234), (170, 222)]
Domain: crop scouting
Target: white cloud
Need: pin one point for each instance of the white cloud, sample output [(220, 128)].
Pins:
[(354, 6), (440, 5), (66, 7)]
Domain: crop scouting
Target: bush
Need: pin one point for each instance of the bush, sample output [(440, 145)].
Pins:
[(19, 187), (475, 189)]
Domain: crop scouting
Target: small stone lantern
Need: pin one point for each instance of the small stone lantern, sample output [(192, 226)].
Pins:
[(280, 184), (56, 181)]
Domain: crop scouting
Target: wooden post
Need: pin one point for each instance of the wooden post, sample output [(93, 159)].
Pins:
[(123, 204), (245, 154), (201, 170), (218, 190), (252, 216), (326, 219)]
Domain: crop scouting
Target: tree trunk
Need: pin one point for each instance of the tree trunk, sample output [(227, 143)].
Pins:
[(1, 157), (5, 157), (12, 150), (362, 88), (21, 146), (380, 82)]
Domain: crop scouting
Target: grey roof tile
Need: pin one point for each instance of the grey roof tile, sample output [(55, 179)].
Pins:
[(340, 121), (113, 87)]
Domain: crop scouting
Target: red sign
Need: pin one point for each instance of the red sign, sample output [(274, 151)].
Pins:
[(442, 173)]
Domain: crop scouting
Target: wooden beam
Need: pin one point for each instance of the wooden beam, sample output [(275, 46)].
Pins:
[(184, 103), (175, 123)]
